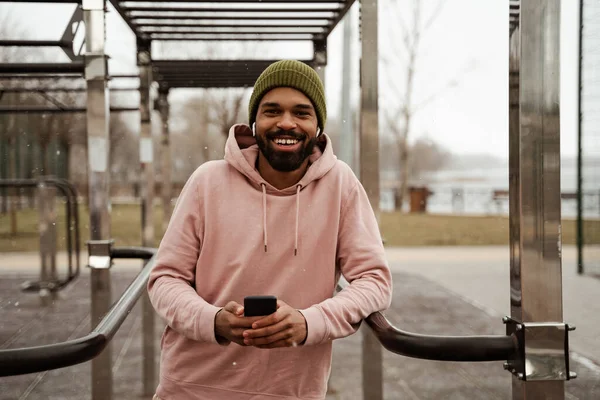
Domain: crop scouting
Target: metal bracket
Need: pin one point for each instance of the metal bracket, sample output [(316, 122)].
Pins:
[(543, 350), (320, 53), (68, 36), (99, 253)]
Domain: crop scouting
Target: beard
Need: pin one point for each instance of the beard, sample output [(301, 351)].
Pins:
[(285, 161)]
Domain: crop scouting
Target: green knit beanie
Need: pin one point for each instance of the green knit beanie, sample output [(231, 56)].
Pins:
[(293, 74)]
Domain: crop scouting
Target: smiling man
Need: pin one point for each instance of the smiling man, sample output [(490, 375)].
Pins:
[(280, 216)]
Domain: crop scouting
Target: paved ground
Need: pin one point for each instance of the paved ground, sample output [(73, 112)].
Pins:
[(426, 300)]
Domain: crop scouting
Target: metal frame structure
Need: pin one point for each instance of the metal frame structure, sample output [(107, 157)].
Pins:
[(536, 344)]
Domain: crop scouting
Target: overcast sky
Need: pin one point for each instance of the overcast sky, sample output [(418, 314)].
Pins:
[(470, 118)]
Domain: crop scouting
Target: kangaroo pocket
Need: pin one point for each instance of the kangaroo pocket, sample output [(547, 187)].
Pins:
[(296, 372)]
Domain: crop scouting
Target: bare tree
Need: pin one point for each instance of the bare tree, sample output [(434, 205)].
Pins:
[(407, 52)]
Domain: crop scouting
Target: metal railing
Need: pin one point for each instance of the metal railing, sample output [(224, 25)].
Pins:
[(440, 348), (73, 237), (42, 358)]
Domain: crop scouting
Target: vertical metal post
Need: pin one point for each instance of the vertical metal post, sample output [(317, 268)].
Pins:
[(369, 173), (535, 213), (47, 230), (144, 60), (347, 142), (97, 123), (162, 105), (320, 57), (580, 147)]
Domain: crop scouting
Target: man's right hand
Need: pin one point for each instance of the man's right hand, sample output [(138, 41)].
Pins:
[(230, 323)]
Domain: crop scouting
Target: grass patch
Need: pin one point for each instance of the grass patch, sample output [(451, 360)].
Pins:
[(125, 228), (454, 230), (397, 229)]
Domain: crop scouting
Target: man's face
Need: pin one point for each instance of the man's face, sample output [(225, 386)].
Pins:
[(286, 128)]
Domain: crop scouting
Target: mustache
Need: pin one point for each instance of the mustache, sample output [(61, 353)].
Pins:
[(292, 134)]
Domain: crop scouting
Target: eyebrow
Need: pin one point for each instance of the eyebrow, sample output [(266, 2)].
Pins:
[(301, 105)]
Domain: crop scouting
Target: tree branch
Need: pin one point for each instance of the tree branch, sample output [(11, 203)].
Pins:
[(436, 12), (449, 84)]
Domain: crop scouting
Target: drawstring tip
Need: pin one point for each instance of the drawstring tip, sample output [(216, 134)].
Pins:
[(265, 248), (295, 251)]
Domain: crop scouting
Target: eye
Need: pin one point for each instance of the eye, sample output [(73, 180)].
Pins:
[(272, 111), (303, 113)]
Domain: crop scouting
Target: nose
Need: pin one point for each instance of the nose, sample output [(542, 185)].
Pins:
[(287, 122)]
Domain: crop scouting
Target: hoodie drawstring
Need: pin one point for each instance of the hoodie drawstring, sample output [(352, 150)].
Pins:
[(264, 192), (298, 187)]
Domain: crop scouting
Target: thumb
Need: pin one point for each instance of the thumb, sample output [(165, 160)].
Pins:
[(234, 308)]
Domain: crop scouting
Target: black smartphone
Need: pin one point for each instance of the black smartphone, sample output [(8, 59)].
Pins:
[(256, 306)]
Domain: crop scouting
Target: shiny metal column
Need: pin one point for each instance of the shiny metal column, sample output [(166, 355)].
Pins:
[(144, 60), (347, 135), (97, 122), (162, 105), (535, 214), (47, 229), (369, 174), (320, 57)]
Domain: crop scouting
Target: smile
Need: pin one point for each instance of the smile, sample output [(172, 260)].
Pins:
[(285, 142)]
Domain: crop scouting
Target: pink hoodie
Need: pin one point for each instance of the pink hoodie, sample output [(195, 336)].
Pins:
[(231, 235)]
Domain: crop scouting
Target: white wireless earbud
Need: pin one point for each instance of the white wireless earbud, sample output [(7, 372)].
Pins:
[(318, 131), (254, 129)]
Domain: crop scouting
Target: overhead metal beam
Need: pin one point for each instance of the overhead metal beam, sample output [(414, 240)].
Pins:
[(129, 10), (52, 110), (186, 38), (34, 43), (242, 1), (41, 68), (340, 16), (58, 89), (126, 18), (43, 1), (230, 17), (228, 32), (228, 25), (4, 76)]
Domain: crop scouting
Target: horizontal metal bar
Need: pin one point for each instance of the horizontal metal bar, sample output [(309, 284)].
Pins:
[(144, 253), (43, 358), (441, 348), (59, 89), (42, 1), (340, 16), (188, 38), (39, 76), (36, 68), (122, 2), (35, 43), (196, 25), (50, 110), (125, 18), (129, 10), (228, 32), (232, 17)]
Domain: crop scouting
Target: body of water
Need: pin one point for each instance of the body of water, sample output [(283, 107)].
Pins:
[(470, 191)]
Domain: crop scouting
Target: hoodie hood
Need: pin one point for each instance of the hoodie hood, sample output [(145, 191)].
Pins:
[(241, 152)]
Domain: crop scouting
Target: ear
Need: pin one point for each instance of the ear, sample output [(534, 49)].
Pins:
[(254, 129), (318, 131)]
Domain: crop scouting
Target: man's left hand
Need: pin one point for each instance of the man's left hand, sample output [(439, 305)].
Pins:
[(286, 327)]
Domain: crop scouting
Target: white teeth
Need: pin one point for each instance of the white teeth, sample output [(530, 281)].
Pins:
[(286, 141)]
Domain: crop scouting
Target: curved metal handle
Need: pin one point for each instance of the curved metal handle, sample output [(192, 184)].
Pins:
[(440, 348)]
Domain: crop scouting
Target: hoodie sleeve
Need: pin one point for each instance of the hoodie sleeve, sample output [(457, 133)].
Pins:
[(171, 283), (362, 261)]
